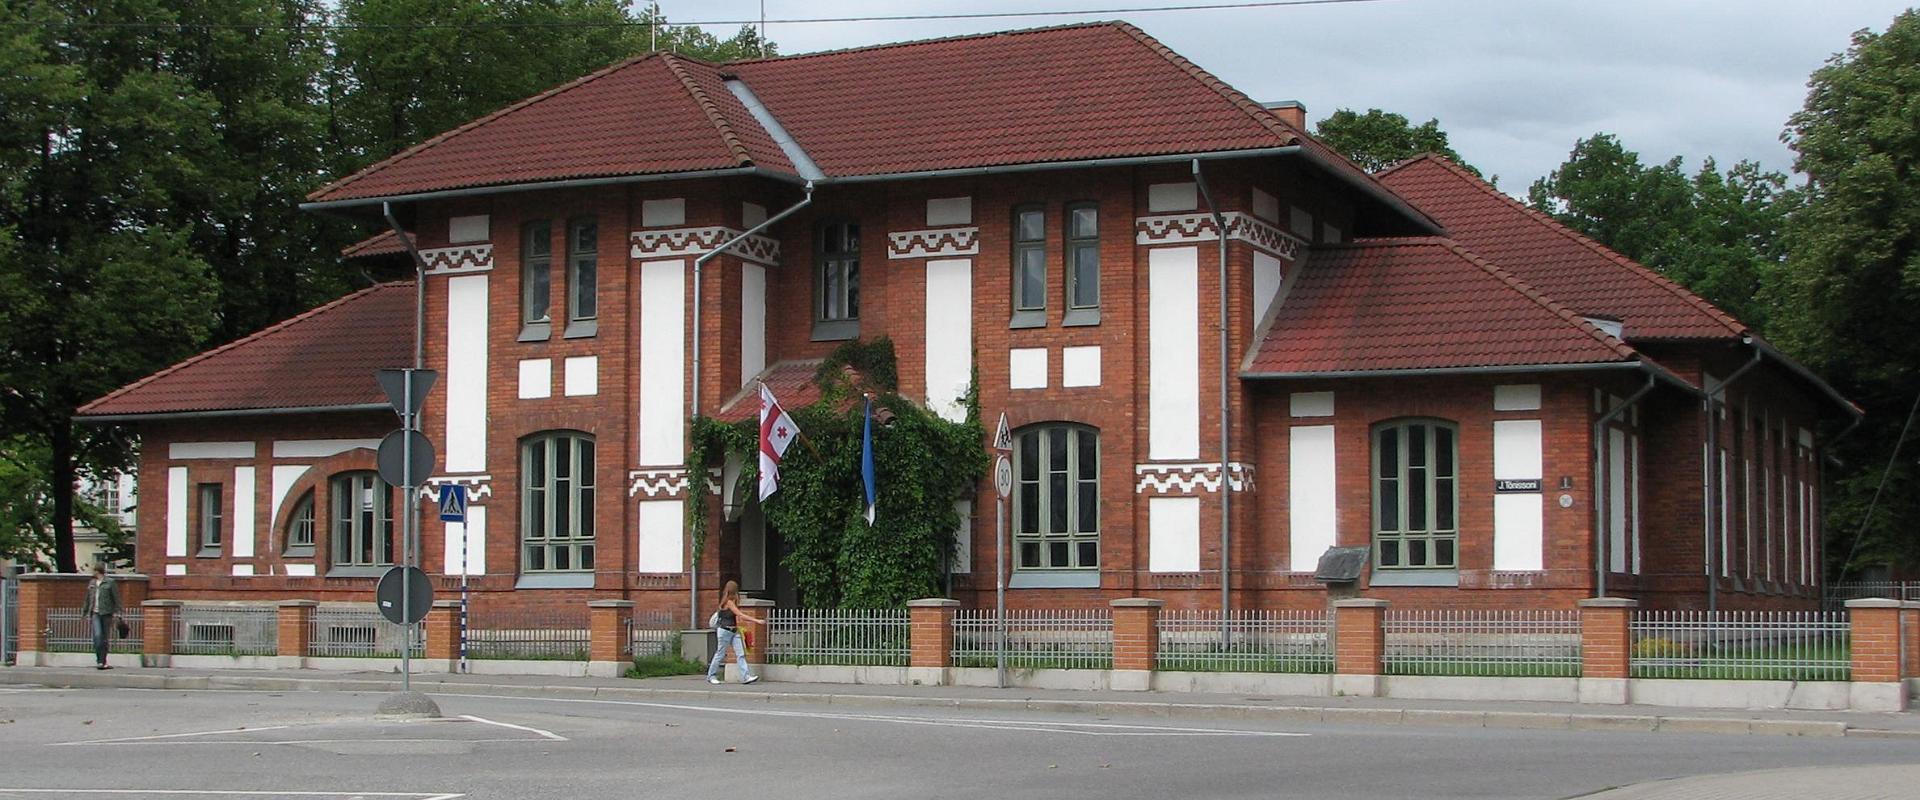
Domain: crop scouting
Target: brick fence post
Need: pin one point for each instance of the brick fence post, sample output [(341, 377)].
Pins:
[(41, 592), (1606, 648), (930, 640), (1910, 638), (296, 632), (608, 623), (1136, 642), (442, 629), (157, 618), (1876, 655), (756, 632), (1359, 646)]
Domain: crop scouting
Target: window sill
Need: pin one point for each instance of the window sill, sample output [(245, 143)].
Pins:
[(1081, 317), (1028, 319), (581, 329), (561, 580), (1062, 579), (208, 552), (298, 552), (536, 332), (836, 330), (358, 572), (1415, 577)]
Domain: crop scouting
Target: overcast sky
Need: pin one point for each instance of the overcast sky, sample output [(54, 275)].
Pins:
[(1513, 82)]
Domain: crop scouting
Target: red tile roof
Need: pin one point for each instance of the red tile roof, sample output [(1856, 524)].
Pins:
[(792, 385), (1418, 303), (383, 243), (323, 358), (1564, 265)]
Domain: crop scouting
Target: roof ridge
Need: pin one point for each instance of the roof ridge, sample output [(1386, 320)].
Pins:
[(247, 339), (396, 158), (934, 40), (1618, 346), (1645, 273), (377, 240), (710, 108), (1382, 172)]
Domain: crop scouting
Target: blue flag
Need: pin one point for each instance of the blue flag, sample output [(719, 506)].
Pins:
[(866, 458)]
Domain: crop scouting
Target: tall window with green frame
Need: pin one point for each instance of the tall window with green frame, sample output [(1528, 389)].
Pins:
[(1416, 495), (557, 503), (362, 520), (536, 264), (1056, 498), (1083, 258), (583, 275), (1030, 261)]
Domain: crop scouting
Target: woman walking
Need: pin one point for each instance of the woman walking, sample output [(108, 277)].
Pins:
[(727, 628)]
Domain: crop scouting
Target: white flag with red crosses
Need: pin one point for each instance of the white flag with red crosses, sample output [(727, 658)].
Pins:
[(777, 433)]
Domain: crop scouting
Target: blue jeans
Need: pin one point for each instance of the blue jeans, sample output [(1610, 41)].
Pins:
[(729, 638), (102, 629)]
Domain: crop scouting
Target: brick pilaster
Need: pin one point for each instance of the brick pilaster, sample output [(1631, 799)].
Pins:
[(1910, 637), (930, 632), (1606, 637), (442, 629), (1875, 639), (607, 629), (1360, 638), (296, 628), (157, 627), (1136, 632), (756, 631)]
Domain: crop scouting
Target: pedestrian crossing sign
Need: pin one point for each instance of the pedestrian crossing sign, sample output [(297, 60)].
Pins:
[(453, 503)]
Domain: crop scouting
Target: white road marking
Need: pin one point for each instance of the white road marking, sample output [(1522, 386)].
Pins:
[(548, 734), (240, 792), (263, 742), (1037, 726), (128, 739)]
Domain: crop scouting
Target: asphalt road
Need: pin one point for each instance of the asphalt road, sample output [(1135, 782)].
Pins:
[(199, 745)]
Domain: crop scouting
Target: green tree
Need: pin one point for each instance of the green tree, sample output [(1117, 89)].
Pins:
[(1848, 300), (1377, 139)]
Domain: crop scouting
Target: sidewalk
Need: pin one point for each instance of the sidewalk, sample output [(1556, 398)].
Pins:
[(1337, 710)]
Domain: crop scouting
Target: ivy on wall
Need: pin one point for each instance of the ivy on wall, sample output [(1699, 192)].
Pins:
[(923, 464)]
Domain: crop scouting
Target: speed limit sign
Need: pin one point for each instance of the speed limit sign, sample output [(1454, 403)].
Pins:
[(1003, 476)]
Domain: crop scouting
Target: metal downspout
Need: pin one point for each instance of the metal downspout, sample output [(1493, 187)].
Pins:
[(696, 481), (1600, 515), (1226, 471), (1715, 512)]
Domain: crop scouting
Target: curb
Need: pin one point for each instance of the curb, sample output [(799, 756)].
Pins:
[(1509, 720)]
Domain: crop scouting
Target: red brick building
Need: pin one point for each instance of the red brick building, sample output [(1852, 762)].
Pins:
[(1501, 411)]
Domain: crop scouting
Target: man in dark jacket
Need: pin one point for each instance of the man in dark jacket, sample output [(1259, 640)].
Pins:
[(103, 602)]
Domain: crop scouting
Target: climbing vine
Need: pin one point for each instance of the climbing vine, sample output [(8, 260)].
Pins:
[(922, 462)]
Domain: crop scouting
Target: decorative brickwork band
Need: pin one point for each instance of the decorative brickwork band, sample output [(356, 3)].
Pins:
[(479, 487), (1606, 636), (1189, 228), (1189, 477), (930, 632), (678, 242), (458, 260), (665, 483), (934, 243)]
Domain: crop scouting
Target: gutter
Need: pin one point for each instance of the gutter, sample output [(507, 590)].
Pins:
[(164, 416), (472, 191), (1648, 367)]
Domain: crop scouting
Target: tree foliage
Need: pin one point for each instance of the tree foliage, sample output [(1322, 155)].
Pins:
[(1377, 139)]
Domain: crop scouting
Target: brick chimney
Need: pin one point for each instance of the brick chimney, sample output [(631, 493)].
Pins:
[(1291, 112)]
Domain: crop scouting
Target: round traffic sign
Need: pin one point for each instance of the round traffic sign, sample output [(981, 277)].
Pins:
[(1003, 476), (393, 453), (418, 591)]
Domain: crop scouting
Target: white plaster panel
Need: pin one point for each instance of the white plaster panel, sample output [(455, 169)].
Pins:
[(1310, 404), (963, 538), (244, 520), (663, 358), (177, 569), (1173, 534), (466, 444), (1516, 449), (300, 570), (949, 336), (1267, 276), (1028, 367), (1634, 445), (319, 448), (582, 376), (752, 214), (474, 228), (1173, 197), (950, 211), (1266, 206), (476, 543), (176, 512), (1519, 518), (1617, 500), (283, 478), (1301, 223), (1516, 397), (661, 535), (1080, 366), (536, 378), (243, 570), (663, 213), (180, 451), (1311, 497), (753, 321), (1173, 354)]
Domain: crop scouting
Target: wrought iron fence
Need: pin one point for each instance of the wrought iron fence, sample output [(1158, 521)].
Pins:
[(235, 630), (70, 631), (652, 633), (350, 632), (548, 634), (1483, 642), (841, 636), (1244, 641), (1837, 594), (1741, 645), (1079, 639)]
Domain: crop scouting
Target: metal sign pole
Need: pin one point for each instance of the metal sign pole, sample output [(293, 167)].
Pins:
[(1000, 583), (464, 570), (408, 502)]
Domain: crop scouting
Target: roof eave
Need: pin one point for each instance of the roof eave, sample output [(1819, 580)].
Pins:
[(163, 416), (1495, 369), (1378, 192), (530, 186), (1787, 362)]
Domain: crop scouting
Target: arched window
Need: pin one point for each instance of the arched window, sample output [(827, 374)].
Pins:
[(1056, 497), (556, 503), (1415, 495), (299, 534), (362, 520)]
